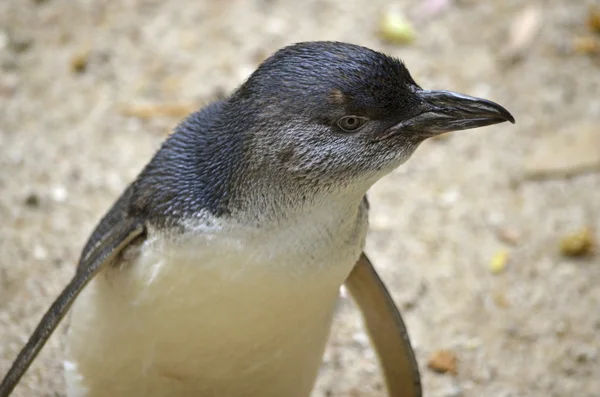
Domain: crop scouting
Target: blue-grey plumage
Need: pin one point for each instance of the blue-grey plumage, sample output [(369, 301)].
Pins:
[(234, 240)]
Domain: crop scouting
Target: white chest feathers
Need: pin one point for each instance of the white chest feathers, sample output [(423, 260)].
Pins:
[(226, 310)]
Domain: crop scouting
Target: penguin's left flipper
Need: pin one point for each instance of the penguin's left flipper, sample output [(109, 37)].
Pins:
[(104, 252), (386, 330)]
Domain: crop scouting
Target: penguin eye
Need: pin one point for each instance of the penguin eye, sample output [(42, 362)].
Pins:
[(351, 123)]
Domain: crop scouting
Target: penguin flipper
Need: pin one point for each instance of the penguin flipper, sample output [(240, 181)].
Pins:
[(104, 252), (386, 330)]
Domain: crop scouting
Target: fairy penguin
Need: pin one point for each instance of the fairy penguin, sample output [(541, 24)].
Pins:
[(217, 271)]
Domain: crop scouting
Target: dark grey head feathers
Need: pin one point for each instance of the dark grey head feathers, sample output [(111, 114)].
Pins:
[(325, 80)]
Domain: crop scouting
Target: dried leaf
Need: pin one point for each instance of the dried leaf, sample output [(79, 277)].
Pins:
[(571, 151), (586, 45), (148, 111)]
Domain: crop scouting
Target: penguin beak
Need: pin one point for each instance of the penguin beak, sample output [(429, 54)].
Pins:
[(444, 111)]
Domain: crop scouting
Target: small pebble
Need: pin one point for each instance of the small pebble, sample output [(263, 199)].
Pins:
[(443, 361), (508, 236), (59, 194), (498, 262), (450, 196), (39, 252), (32, 200), (580, 243), (79, 62), (495, 218)]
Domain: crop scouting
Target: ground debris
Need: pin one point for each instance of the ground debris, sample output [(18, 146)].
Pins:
[(589, 44), (508, 236), (580, 243), (523, 31), (395, 28), (153, 110), (586, 45), (593, 19), (32, 200), (80, 61), (443, 361), (498, 262), (576, 150)]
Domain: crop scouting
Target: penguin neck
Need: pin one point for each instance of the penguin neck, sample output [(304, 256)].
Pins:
[(269, 204)]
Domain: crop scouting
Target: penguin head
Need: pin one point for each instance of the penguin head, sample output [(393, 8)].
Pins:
[(331, 113)]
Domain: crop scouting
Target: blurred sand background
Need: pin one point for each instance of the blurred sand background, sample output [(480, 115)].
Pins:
[(89, 89)]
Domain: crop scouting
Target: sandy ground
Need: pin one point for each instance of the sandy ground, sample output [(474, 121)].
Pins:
[(70, 71)]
